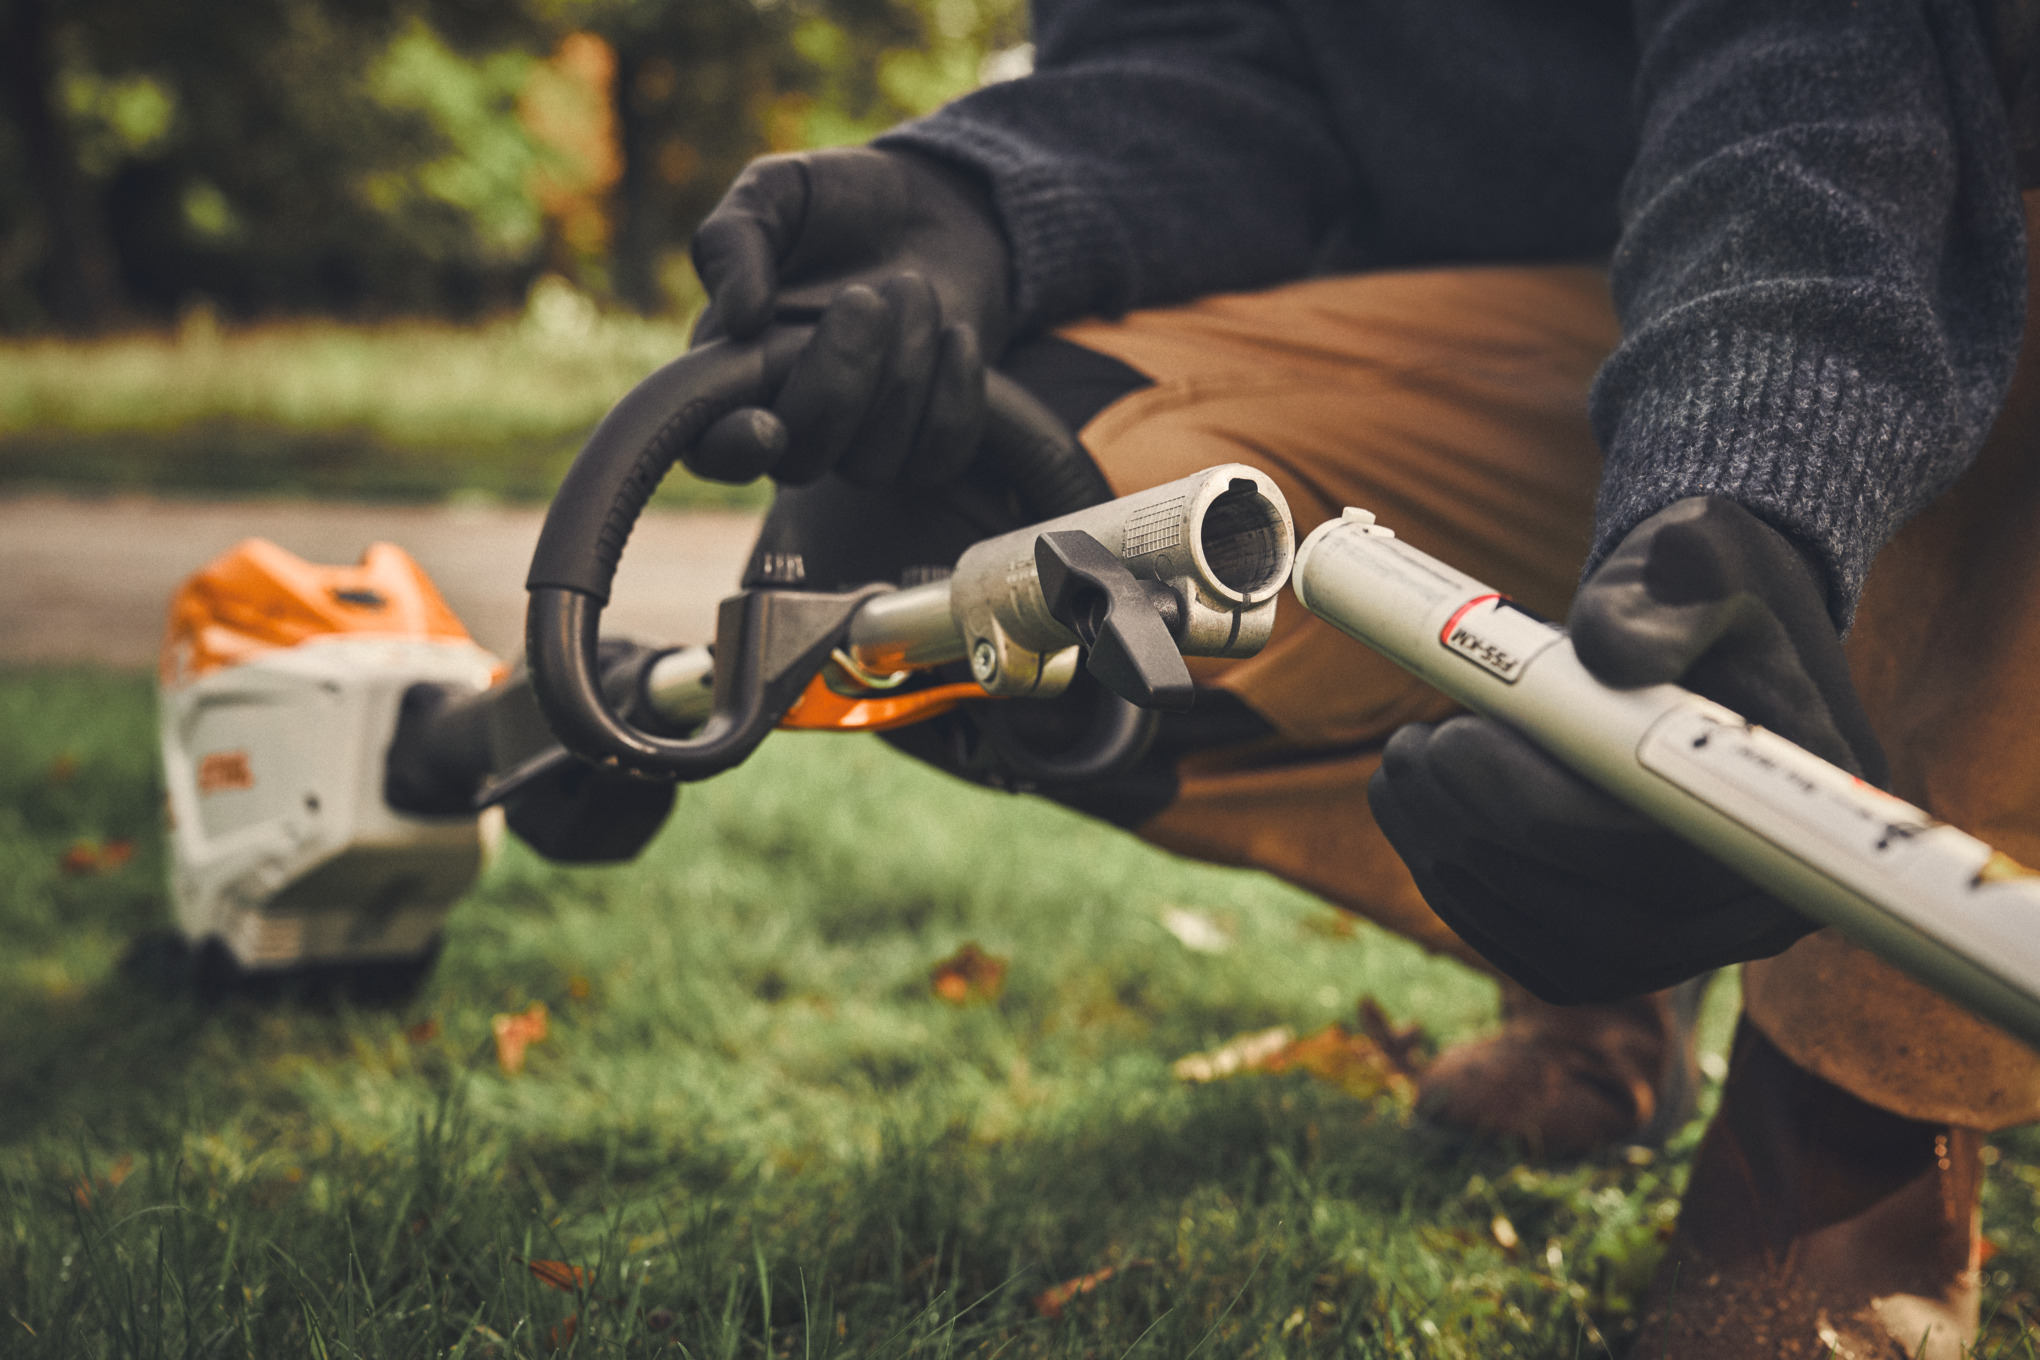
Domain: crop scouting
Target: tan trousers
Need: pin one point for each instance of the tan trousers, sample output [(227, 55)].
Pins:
[(1452, 403)]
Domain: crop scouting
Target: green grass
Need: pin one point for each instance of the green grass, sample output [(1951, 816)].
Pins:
[(400, 412), (753, 1124)]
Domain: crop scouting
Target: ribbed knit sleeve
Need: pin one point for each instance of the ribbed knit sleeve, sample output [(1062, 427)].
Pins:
[(1821, 273), (1163, 149)]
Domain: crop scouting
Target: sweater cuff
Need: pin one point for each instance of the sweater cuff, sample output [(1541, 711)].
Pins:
[(1064, 242), (1790, 430)]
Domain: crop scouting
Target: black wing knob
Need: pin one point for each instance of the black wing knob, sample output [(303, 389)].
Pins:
[(1127, 625)]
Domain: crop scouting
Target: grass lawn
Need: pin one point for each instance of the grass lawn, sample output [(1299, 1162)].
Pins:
[(752, 1130), (408, 411)]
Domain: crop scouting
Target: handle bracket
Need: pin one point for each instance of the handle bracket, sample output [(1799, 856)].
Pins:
[(769, 644)]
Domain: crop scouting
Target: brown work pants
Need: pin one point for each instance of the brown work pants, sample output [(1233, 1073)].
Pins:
[(1453, 404)]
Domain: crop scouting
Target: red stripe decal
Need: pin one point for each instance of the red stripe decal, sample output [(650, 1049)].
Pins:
[(1445, 634)]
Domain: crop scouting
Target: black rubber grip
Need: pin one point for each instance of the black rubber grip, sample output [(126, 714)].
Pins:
[(604, 492), (560, 637), (1027, 448), (630, 452), (599, 501)]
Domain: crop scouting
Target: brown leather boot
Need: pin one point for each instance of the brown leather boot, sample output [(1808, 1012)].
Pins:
[(1567, 1080), (1817, 1225)]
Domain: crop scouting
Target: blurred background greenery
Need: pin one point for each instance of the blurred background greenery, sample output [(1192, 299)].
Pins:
[(377, 158), (396, 249)]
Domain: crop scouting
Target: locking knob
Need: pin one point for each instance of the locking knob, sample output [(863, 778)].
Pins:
[(1128, 626)]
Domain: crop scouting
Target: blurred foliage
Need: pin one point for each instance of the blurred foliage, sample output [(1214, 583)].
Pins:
[(368, 158), (412, 410)]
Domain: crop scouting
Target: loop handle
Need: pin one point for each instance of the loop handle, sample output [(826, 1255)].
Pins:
[(767, 642)]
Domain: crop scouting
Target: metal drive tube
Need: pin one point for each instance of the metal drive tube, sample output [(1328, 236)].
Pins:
[(1222, 540), (1931, 900), (906, 628)]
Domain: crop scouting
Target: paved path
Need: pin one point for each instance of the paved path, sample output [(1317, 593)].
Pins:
[(89, 580)]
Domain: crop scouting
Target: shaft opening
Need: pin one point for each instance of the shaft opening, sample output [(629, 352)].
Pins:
[(1244, 540)]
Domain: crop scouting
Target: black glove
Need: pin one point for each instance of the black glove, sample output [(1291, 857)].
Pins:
[(900, 266), (1554, 882)]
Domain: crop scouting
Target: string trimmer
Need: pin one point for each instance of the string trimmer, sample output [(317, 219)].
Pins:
[(336, 749)]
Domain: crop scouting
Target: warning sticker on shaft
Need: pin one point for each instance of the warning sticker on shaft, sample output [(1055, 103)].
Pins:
[(1498, 635)]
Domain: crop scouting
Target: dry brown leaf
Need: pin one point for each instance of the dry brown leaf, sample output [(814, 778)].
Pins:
[(515, 1033), (424, 1032), (1405, 1047), (1050, 1302), (1352, 1062), (559, 1275), (95, 857), (561, 1334), (970, 974), (115, 1174), (1248, 1053)]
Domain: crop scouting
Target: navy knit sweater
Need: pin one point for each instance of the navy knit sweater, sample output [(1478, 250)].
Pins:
[(1811, 208)]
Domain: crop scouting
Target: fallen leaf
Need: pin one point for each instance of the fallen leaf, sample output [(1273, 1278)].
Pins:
[(562, 1334), (1405, 1047), (1352, 1062), (516, 1033), (95, 857), (1247, 1053), (115, 1174), (559, 1275), (424, 1032), (1196, 931), (970, 974), (1051, 1301)]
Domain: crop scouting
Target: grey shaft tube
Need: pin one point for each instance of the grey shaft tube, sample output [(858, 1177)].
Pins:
[(1927, 898)]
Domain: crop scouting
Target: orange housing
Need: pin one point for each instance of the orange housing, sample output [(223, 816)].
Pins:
[(820, 708), (256, 597)]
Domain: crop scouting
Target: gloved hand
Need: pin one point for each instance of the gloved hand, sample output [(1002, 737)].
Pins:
[(1564, 889), (900, 266)]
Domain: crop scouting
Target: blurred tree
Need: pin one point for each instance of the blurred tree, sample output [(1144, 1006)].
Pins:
[(236, 151), (704, 85), (80, 287), (367, 157)]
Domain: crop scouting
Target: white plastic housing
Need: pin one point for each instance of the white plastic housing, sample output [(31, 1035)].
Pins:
[(281, 844)]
